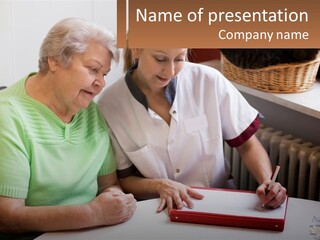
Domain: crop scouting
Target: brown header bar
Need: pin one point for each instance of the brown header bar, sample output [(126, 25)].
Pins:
[(220, 24), (121, 22)]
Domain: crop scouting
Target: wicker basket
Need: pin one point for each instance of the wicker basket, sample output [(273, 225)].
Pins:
[(282, 78)]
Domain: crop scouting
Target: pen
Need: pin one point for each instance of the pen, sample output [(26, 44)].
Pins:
[(273, 180), (274, 176)]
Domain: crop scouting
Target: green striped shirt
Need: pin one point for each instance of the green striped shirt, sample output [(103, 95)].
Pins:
[(46, 161)]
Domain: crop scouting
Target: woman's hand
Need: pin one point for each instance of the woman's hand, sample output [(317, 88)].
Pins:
[(113, 207), (174, 194), (273, 197)]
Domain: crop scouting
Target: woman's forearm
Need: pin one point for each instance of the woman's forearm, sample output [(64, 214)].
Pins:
[(108, 208), (256, 159), (141, 188), (44, 218)]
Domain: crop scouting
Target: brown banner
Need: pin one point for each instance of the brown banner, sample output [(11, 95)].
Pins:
[(121, 22), (220, 24)]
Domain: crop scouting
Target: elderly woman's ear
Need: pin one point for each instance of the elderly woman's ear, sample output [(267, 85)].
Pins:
[(52, 63)]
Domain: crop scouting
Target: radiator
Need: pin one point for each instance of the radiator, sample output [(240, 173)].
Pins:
[(299, 162)]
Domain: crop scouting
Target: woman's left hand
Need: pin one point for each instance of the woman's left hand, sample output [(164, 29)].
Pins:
[(175, 194)]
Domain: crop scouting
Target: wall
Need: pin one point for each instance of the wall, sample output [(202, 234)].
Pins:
[(24, 24), (288, 121)]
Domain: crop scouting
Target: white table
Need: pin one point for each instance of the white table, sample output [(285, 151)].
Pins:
[(147, 224)]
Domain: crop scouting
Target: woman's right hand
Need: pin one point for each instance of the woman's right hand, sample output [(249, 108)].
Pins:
[(174, 194), (113, 207)]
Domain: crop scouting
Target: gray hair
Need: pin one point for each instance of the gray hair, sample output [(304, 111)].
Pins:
[(73, 35)]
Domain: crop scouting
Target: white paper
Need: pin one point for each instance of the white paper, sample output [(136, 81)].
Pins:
[(236, 203)]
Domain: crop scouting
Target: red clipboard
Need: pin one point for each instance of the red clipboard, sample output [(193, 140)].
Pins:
[(232, 208)]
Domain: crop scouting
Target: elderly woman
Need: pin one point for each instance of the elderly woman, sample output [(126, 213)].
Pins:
[(57, 167)]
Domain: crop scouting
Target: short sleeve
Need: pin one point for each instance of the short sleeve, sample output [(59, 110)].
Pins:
[(237, 115), (109, 165), (14, 164), (124, 164), (246, 134)]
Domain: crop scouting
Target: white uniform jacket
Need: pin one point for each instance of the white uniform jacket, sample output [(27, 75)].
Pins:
[(206, 109)]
